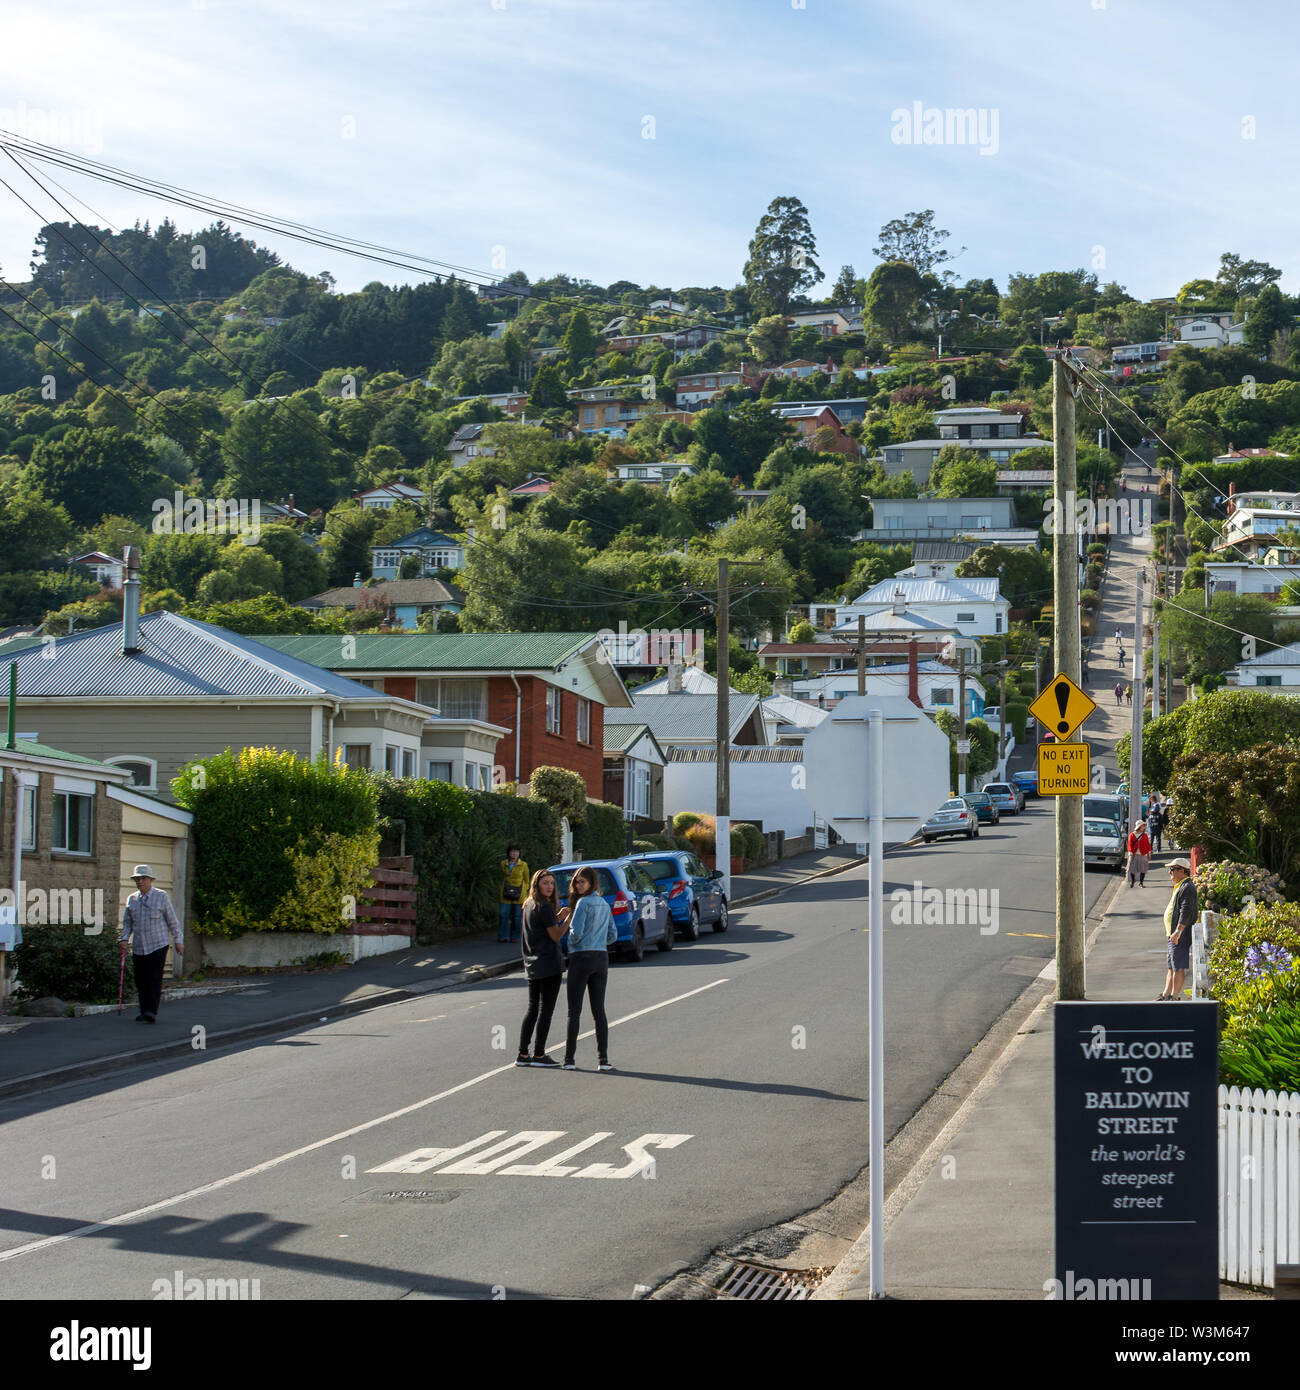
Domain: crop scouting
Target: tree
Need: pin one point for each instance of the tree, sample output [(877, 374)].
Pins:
[(33, 531), (845, 290), (1024, 576), (769, 340), (893, 298), (969, 477), (275, 450), (579, 339), (782, 255), (820, 495), (1270, 315), (96, 472), (916, 241), (1243, 806), (803, 631), (262, 616), (1211, 649), (554, 566), (1237, 277), (547, 390), (302, 569), (1197, 292), (706, 498)]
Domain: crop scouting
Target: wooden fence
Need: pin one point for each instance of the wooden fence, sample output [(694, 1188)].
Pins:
[(1259, 1183), (387, 908)]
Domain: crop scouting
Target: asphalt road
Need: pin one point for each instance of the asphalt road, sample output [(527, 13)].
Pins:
[(742, 1072)]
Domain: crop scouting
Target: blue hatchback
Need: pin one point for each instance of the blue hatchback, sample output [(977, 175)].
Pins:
[(694, 893), (640, 909)]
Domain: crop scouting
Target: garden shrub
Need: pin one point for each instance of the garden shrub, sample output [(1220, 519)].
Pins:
[(1230, 963), (1262, 1050), (562, 789), (64, 961), (281, 843), (685, 820), (752, 839), (1224, 886), (603, 834)]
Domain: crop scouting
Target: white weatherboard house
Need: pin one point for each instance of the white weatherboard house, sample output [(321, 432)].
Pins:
[(1279, 667), (969, 607), (937, 686), (994, 435)]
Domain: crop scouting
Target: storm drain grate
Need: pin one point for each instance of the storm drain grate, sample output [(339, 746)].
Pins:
[(755, 1283), (407, 1194)]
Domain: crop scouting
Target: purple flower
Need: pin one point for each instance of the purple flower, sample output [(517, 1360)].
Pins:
[(1267, 959)]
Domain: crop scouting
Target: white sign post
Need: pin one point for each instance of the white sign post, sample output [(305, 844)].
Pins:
[(876, 1002)]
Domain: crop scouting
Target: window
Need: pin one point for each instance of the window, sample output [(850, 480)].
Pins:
[(1268, 680), (979, 431), (387, 559), (356, 754), (641, 790), (454, 699), (408, 762), (936, 519), (997, 622), (893, 523), (965, 617), (1011, 431), (589, 415), (144, 771), (1000, 455), (941, 697), (27, 814), (584, 721), (893, 456), (70, 831), (393, 760), (552, 710), (438, 772)]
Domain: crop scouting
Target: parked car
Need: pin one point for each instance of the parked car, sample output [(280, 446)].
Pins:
[(640, 910), (1027, 781), (982, 804), (1006, 796), (954, 817), (1103, 842), (1106, 806), (695, 894), (1122, 792)]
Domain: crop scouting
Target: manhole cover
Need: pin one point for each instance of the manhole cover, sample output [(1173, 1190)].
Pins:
[(436, 1196), (754, 1282)]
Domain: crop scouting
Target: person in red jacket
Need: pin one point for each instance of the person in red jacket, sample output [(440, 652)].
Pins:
[(1139, 851)]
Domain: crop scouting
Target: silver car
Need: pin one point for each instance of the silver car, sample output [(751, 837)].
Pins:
[(1103, 842), (954, 817), (1006, 796)]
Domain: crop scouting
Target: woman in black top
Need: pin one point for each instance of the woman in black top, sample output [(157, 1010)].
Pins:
[(543, 965)]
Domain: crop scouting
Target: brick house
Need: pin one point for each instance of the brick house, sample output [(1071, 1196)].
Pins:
[(548, 690), (60, 840)]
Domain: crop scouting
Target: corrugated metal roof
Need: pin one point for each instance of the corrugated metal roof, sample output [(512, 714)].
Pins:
[(684, 716), (177, 656), (438, 651), (41, 750), (738, 755), (694, 682), (619, 738), (1279, 656), (932, 591)]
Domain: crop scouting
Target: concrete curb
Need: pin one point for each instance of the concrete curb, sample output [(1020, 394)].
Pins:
[(474, 974), (982, 1072)]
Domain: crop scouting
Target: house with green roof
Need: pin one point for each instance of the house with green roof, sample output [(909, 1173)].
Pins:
[(549, 690)]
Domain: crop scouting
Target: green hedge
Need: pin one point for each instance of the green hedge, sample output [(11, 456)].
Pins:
[(65, 962), (458, 839), (1017, 717), (281, 843), (752, 838), (602, 834)]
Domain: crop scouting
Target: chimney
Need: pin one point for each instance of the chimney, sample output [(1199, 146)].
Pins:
[(900, 602), (131, 601), (913, 675), (674, 678), (782, 685)]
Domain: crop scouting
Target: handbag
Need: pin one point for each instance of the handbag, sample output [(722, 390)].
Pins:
[(511, 892)]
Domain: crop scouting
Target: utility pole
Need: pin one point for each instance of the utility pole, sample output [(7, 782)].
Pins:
[(1169, 681), (1155, 671), (961, 721), (862, 653), (1139, 699), (1002, 723), (1067, 652), (722, 811)]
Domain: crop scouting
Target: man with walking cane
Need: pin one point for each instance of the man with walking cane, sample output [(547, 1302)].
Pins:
[(150, 923)]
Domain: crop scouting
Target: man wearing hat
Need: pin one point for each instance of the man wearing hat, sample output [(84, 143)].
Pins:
[(150, 924), (1180, 916)]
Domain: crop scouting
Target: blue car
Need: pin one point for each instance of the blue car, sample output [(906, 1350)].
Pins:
[(640, 910), (1027, 781), (695, 894)]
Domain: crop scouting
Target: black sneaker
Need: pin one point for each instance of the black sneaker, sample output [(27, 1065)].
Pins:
[(570, 1066), (604, 1065), (522, 1060), (543, 1061)]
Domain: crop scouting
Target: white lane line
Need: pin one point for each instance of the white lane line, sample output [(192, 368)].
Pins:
[(32, 1246)]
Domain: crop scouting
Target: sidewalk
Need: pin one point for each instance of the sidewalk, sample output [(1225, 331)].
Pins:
[(987, 1232), (41, 1052)]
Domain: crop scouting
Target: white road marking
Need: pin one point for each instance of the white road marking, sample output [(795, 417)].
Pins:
[(555, 1167), (494, 1158), (33, 1246), (421, 1160)]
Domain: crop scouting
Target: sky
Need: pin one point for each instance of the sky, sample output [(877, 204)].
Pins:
[(642, 139)]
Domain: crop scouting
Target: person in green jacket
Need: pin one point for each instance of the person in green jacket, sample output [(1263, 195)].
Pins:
[(514, 884)]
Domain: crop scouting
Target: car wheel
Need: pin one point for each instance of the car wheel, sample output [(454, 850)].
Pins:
[(669, 931), (971, 834), (636, 951), (927, 838), (721, 924), (691, 931)]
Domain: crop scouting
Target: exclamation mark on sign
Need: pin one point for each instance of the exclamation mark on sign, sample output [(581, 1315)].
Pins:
[(1062, 699)]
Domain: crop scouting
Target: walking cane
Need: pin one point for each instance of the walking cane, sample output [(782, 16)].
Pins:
[(121, 976)]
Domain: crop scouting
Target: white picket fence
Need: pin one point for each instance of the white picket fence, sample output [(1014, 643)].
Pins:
[(1259, 1183)]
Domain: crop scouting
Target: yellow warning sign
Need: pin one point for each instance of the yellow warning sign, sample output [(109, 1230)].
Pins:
[(1062, 707), (1064, 769)]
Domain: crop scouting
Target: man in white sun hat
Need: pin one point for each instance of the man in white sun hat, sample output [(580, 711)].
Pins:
[(150, 924), (1180, 916)]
